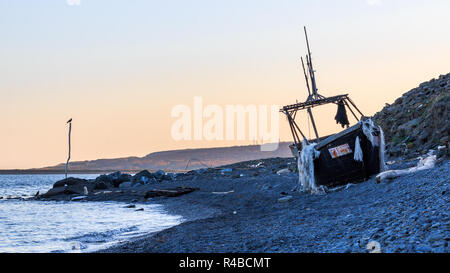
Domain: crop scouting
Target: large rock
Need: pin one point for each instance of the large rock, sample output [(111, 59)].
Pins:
[(70, 181), (99, 185), (73, 185), (143, 176), (113, 179), (104, 179), (159, 175), (125, 185), (115, 175), (121, 179), (169, 177), (66, 190)]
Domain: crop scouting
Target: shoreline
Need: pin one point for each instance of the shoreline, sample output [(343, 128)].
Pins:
[(406, 214), (171, 209)]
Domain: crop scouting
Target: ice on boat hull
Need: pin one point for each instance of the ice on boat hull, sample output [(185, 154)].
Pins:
[(352, 155)]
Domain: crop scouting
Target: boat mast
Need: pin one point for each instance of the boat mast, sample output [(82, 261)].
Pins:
[(314, 99), (314, 95), (310, 67), (306, 79)]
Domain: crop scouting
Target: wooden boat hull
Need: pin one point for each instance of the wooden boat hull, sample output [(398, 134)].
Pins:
[(336, 164), (329, 171)]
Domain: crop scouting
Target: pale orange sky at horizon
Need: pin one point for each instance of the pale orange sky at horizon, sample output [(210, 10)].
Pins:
[(119, 68)]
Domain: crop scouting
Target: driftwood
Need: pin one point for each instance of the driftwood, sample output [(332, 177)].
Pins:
[(424, 164), (169, 192)]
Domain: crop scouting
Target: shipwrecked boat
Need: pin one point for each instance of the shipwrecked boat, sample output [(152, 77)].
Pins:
[(352, 155)]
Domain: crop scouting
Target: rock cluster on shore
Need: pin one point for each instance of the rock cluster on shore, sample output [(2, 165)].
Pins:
[(419, 120), (77, 186)]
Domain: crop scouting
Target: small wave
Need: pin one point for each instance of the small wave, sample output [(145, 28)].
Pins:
[(62, 226), (101, 237)]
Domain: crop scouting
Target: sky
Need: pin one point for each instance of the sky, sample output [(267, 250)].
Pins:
[(118, 67)]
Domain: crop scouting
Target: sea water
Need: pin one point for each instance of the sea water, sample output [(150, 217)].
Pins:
[(61, 226)]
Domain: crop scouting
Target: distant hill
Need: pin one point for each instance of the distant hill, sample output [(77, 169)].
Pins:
[(176, 159)]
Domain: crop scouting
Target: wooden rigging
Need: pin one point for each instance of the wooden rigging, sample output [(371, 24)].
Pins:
[(314, 99)]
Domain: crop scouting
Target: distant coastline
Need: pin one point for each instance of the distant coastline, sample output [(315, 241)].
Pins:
[(169, 161)]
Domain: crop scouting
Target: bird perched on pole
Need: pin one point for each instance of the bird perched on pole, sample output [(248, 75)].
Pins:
[(68, 158)]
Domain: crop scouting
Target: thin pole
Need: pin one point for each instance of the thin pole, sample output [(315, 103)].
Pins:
[(313, 124), (70, 129), (306, 78), (311, 69), (348, 106), (354, 106)]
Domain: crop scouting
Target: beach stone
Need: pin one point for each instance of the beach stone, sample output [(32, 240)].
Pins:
[(143, 176), (121, 178), (159, 174), (226, 171), (424, 248), (115, 175), (348, 250), (145, 181), (285, 199), (169, 177), (125, 185), (373, 247), (201, 171), (125, 177), (283, 171), (104, 179), (435, 237), (78, 198), (99, 185), (293, 166)]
